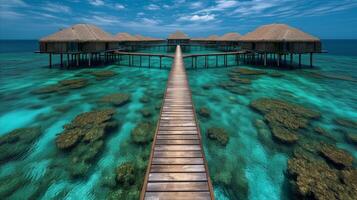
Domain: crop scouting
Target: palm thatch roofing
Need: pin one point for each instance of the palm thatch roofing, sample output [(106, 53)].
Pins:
[(213, 38), (230, 37), (79, 33), (125, 37), (178, 35), (278, 33)]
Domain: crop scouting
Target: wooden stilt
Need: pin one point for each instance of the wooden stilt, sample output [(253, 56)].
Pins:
[(291, 59), (299, 59), (265, 59), (78, 60), (278, 60), (225, 60), (205, 61), (311, 59), (160, 62), (67, 60), (150, 61), (90, 60), (61, 60), (50, 61)]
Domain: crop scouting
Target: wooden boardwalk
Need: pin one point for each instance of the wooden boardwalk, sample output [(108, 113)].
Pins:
[(177, 168)]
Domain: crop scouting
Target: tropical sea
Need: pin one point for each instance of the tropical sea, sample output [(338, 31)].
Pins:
[(273, 125)]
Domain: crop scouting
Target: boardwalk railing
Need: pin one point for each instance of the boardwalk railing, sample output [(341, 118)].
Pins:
[(177, 168)]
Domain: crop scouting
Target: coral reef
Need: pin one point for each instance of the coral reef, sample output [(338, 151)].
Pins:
[(314, 179), (218, 134), (103, 74), (143, 133), (63, 86), (17, 142), (116, 99), (338, 157), (204, 112)]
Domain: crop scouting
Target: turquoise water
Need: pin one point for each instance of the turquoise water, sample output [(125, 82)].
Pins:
[(251, 166)]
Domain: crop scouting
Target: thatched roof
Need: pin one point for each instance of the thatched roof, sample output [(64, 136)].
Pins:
[(178, 35), (213, 38), (278, 33), (79, 33), (125, 37), (230, 37)]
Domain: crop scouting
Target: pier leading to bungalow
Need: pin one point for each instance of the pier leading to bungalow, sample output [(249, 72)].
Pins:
[(177, 167)]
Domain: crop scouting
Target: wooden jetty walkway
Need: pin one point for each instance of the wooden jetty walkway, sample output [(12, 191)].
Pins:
[(177, 168)]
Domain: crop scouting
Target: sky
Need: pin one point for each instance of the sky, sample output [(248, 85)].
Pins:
[(33, 19)]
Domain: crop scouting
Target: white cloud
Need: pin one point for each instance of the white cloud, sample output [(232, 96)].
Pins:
[(12, 3), (97, 2), (220, 5), (152, 7), (8, 14), (101, 20), (198, 18), (119, 6), (56, 8), (148, 21), (196, 5)]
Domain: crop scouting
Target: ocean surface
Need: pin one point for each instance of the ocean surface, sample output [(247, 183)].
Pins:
[(38, 105)]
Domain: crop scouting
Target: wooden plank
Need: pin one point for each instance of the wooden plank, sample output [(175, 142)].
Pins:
[(177, 124), (177, 147), (178, 118), (177, 137), (175, 132), (178, 168), (170, 176), (178, 154), (178, 187), (177, 195), (178, 142), (192, 128), (176, 161)]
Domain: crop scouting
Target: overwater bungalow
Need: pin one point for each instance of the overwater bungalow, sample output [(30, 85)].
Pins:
[(76, 41), (177, 38), (84, 38), (229, 41), (280, 39)]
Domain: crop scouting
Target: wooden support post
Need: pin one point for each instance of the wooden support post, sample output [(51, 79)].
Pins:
[(150, 60), (299, 59), (90, 60), (78, 59), (50, 60), (311, 59), (196, 62), (67, 60), (140, 60), (61, 60), (265, 59), (216, 61), (291, 59), (192, 62), (225, 60), (205, 61), (160, 62), (278, 60)]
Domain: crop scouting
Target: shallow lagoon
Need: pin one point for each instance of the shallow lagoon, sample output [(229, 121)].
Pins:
[(251, 166)]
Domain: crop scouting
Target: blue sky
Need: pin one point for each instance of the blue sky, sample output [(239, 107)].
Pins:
[(33, 19)]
